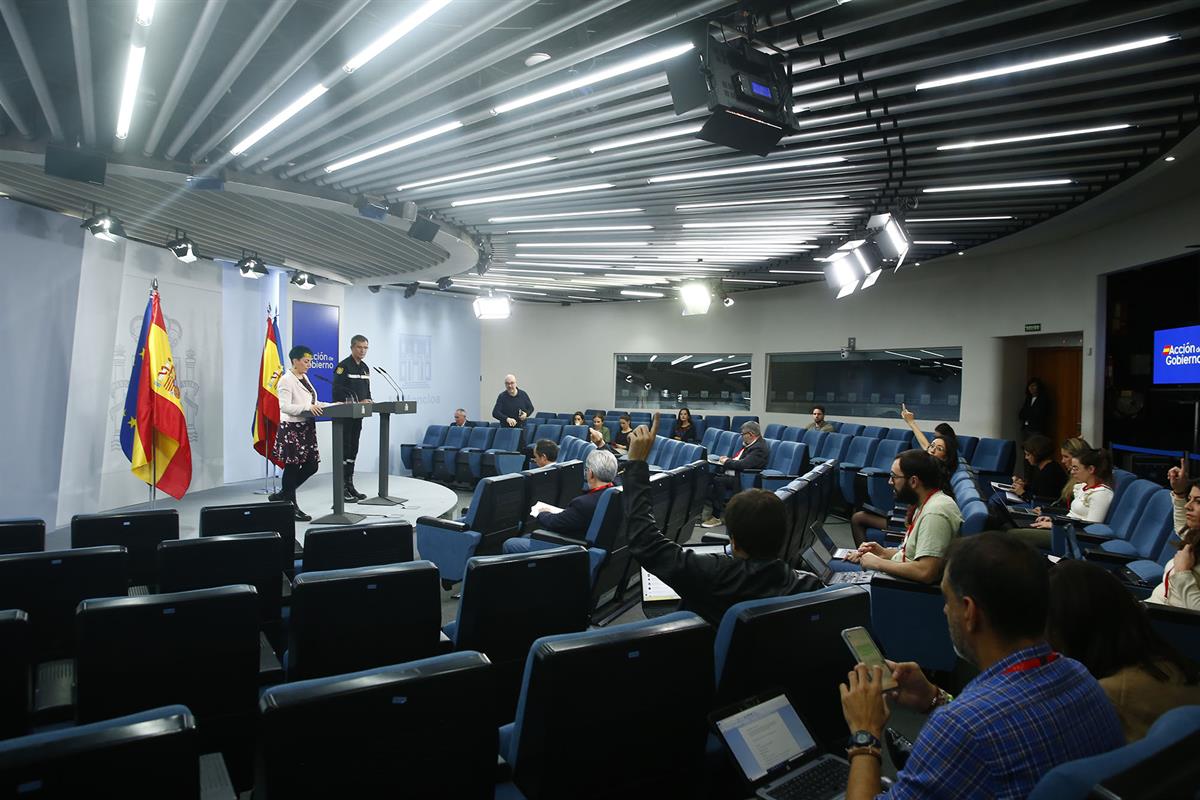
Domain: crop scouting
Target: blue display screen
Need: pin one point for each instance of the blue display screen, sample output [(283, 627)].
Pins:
[(1177, 355), (760, 90)]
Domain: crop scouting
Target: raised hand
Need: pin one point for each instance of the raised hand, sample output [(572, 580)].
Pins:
[(641, 440), (1177, 477), (905, 414)]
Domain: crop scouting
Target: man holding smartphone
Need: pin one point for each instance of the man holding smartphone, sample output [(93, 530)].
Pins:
[(1029, 709)]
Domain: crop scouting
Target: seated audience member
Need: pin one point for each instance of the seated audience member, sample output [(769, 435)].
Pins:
[(944, 448), (620, 442), (819, 422), (545, 452), (754, 454), (1095, 620), (599, 426), (1001, 519), (1029, 709), (685, 431), (599, 469), (1093, 491), (944, 429), (577, 419), (709, 583), (1042, 481), (1180, 585), (933, 522), (460, 418)]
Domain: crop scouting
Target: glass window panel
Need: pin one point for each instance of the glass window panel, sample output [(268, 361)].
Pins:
[(716, 381)]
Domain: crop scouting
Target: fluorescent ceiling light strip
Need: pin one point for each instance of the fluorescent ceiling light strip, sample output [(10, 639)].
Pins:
[(847, 290), (932, 241), (532, 271), (145, 13), (653, 357), (1045, 62), (732, 366), (634, 293), (902, 355), (939, 355), (653, 136), (283, 116), (957, 219), (582, 244), (746, 280), (979, 187), (796, 272), (1032, 137), (596, 76), (763, 223), (375, 152), (395, 33), (680, 360), (564, 215), (765, 202), (589, 299), (741, 372), (584, 229), (706, 363), (458, 176), (853, 243), (499, 198), (129, 90), (951, 366), (714, 173)]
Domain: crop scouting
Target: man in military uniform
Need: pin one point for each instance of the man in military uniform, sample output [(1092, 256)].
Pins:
[(352, 381)]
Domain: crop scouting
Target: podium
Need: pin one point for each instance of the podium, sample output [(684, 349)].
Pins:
[(385, 411), (339, 413)]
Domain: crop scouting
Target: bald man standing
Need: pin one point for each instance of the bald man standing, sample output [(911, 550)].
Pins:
[(513, 405)]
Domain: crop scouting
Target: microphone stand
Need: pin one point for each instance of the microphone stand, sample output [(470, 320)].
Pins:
[(392, 383)]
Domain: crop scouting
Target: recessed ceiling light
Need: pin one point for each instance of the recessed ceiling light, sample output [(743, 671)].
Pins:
[(533, 59), (1169, 159)]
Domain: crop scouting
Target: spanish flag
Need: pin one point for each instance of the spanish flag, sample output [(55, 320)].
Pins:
[(266, 408), (154, 432)]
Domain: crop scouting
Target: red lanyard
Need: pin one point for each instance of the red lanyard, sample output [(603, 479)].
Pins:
[(1031, 663), (600, 488), (913, 523)]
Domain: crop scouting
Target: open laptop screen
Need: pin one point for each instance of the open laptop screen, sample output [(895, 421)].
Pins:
[(766, 736)]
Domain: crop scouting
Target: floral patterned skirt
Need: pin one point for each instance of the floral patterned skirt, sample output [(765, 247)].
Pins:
[(296, 443)]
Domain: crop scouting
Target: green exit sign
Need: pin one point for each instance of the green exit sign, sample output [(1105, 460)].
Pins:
[(1033, 327)]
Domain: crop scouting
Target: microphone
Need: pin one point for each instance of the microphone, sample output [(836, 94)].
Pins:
[(323, 379), (394, 385)]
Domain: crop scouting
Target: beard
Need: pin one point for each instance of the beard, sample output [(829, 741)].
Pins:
[(907, 495), (959, 643)]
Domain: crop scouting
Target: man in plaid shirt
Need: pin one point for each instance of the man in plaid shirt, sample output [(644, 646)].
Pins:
[(1027, 711)]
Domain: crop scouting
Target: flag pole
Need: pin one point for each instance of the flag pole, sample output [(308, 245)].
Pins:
[(266, 490), (153, 432)]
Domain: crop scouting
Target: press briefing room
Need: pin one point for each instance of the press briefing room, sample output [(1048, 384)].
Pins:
[(537, 399)]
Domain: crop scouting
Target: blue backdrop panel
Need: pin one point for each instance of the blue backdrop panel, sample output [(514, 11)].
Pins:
[(315, 325)]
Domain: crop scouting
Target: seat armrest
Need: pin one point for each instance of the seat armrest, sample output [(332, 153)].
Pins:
[(556, 538), (445, 643), (873, 471), (715, 538), (846, 466), (503, 770), (1092, 538), (1109, 560), (444, 524), (893, 536)]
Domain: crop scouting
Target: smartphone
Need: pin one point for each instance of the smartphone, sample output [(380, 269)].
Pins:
[(865, 651)]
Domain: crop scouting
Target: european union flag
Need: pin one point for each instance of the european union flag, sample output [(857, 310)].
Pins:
[(129, 420)]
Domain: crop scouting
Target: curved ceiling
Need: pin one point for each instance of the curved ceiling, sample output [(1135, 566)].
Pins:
[(573, 172)]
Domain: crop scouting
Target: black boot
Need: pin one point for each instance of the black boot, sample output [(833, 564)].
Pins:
[(353, 495)]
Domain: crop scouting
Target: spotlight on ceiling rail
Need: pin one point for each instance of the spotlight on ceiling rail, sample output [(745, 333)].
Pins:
[(302, 280), (183, 248), (251, 267), (104, 226)]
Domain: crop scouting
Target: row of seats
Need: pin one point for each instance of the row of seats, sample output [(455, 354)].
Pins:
[(462, 454)]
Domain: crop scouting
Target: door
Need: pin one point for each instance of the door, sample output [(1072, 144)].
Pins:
[(1061, 372)]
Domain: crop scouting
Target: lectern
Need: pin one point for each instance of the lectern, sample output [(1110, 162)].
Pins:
[(385, 411), (339, 413)]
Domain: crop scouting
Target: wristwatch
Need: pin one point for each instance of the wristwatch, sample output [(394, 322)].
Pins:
[(863, 739)]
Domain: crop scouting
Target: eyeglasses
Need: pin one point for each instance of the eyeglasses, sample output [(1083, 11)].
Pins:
[(1074, 468), (896, 477)]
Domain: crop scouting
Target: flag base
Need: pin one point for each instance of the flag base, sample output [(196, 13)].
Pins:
[(383, 501), (344, 518)]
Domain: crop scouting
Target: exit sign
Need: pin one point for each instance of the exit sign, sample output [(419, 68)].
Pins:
[(1033, 327)]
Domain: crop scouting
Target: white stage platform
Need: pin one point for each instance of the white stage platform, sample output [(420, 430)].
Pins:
[(422, 499)]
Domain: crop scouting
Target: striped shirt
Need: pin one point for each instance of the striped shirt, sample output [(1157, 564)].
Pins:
[(1011, 725)]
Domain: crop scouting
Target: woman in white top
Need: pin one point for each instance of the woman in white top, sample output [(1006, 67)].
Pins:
[(1180, 586), (1093, 492), (296, 442)]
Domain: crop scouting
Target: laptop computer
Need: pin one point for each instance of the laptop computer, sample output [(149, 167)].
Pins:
[(831, 550), (657, 597), (818, 562), (778, 757)]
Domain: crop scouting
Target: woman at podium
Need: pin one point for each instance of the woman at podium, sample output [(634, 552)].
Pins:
[(296, 442)]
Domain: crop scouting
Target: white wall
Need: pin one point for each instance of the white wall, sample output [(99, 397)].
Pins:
[(563, 356)]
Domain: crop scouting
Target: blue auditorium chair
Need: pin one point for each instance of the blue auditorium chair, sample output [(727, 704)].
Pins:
[(793, 643), (901, 435), (709, 440), (966, 446), (471, 454), (502, 458), (349, 546), (736, 423), (16, 673), (681, 500), (773, 431), (849, 469), (508, 601), (1146, 548), (553, 432), (496, 512), (783, 466), (850, 429), (566, 417), (541, 485), (419, 729), (873, 431), (414, 456), (909, 622), (716, 421), (794, 433), (975, 515), (993, 460), (255, 518), (199, 648), (26, 535), (614, 427), (600, 539), (1160, 765), (687, 453), (1122, 514), (621, 670), (814, 440), (835, 448), (350, 619), (444, 458), (153, 753), (802, 504), (139, 532), (728, 443), (578, 431)]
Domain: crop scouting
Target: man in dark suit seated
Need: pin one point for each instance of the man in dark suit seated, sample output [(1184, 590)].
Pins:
[(753, 455), (708, 583), (574, 520)]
